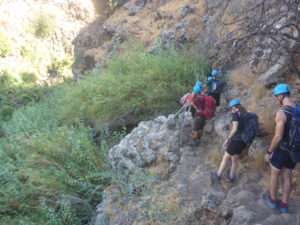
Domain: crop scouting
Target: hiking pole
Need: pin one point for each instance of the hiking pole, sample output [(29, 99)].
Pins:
[(179, 111), (181, 131), (183, 107)]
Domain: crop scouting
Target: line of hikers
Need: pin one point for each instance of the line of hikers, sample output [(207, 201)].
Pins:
[(283, 152)]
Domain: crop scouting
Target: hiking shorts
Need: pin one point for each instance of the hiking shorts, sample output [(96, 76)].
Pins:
[(281, 159), (198, 123), (235, 147)]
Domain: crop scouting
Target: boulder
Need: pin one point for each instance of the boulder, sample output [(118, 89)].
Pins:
[(187, 10), (212, 200), (134, 10), (258, 146), (223, 124), (127, 5), (242, 216), (274, 74), (147, 142)]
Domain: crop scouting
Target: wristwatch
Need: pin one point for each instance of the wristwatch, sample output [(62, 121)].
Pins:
[(269, 153)]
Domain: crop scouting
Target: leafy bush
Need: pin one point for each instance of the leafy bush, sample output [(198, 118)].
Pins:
[(44, 24), (60, 67), (51, 170), (137, 82), (5, 45), (50, 173), (29, 77)]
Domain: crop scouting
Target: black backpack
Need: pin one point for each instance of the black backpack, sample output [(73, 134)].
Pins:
[(250, 127), (293, 143)]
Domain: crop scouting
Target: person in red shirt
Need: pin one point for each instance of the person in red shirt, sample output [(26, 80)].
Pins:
[(199, 119)]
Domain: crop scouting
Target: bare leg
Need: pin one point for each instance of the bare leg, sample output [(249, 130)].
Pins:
[(224, 162), (286, 185), (199, 135), (274, 180), (234, 161), (195, 134)]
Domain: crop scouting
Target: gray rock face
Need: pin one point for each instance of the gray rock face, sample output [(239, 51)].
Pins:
[(223, 124), (187, 10), (275, 74), (146, 143), (212, 200), (258, 146), (242, 216), (134, 10), (127, 5)]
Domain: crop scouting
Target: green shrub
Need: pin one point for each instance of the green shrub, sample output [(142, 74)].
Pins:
[(46, 166), (147, 84), (60, 67), (5, 45), (29, 77), (44, 25)]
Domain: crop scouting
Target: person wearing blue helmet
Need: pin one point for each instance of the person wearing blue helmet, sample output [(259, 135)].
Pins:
[(208, 86), (234, 143), (199, 84), (277, 154), (199, 119), (215, 87)]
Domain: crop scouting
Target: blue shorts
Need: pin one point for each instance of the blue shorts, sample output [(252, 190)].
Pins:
[(281, 159)]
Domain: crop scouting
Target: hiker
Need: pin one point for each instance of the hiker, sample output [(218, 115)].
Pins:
[(277, 154), (199, 119), (215, 87), (187, 98), (208, 86), (234, 143)]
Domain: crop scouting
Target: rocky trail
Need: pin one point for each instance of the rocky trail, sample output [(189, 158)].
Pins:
[(238, 202), (200, 199)]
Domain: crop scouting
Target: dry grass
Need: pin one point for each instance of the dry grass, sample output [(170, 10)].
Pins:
[(215, 155), (160, 169), (242, 77), (262, 103), (258, 162)]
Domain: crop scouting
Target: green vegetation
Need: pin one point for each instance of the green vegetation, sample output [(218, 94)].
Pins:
[(5, 45), (138, 82), (44, 25), (51, 171)]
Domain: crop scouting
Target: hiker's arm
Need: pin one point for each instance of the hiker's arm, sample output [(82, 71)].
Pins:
[(280, 121), (192, 104), (235, 125)]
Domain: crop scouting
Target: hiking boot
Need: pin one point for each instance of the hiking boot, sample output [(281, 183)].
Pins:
[(282, 209), (193, 142), (267, 201), (214, 176), (228, 177)]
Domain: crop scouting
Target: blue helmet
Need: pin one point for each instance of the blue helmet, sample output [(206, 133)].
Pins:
[(209, 78), (281, 89), (234, 102), (214, 73), (199, 84), (197, 90)]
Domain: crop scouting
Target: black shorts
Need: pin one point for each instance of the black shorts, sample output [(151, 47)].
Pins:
[(198, 123), (235, 147), (281, 159)]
